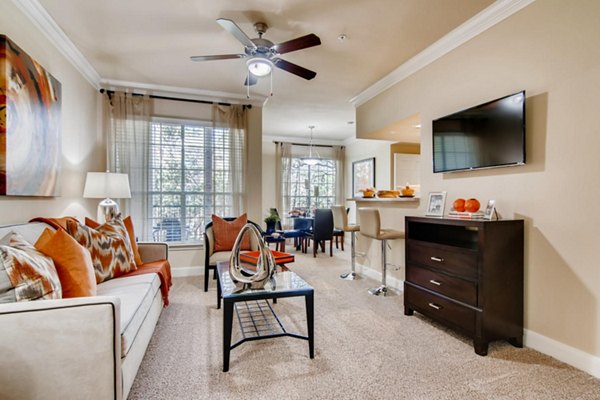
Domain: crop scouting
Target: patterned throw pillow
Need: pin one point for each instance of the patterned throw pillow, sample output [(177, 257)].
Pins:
[(25, 273), (128, 222), (108, 245), (225, 232)]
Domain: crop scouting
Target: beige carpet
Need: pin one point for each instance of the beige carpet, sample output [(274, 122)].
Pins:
[(365, 348)]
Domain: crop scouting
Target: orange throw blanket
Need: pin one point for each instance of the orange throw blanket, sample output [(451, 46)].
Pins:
[(161, 267), (56, 223)]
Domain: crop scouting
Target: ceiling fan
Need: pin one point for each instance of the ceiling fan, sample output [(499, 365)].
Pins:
[(262, 54)]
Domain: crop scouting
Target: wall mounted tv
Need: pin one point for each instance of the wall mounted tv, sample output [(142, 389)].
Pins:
[(486, 136)]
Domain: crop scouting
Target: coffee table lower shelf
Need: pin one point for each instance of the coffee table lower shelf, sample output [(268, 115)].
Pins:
[(259, 321)]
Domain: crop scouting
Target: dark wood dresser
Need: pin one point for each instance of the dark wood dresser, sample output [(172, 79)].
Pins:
[(467, 275)]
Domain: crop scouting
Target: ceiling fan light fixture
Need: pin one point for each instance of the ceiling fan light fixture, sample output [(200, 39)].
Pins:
[(259, 66)]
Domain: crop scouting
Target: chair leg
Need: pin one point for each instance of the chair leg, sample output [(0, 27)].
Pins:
[(382, 290), (343, 238), (315, 248), (350, 276), (206, 272), (331, 248)]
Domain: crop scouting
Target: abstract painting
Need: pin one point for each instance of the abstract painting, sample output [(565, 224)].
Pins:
[(30, 125)]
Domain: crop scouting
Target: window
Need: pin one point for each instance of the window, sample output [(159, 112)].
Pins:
[(190, 177), (311, 186)]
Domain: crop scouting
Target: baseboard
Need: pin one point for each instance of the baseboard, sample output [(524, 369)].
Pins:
[(393, 283), (565, 353), (181, 272)]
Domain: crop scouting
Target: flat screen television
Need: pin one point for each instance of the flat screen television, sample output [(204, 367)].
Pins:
[(486, 136)]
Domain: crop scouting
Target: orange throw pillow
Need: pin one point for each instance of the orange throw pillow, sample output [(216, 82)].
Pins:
[(129, 226), (225, 232), (72, 261)]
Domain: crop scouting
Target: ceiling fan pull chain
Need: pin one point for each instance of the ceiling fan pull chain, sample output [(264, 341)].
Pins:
[(248, 84), (271, 83)]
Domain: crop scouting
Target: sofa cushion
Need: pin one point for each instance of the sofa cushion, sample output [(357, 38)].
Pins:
[(25, 273), (136, 294), (108, 245), (72, 261), (219, 256)]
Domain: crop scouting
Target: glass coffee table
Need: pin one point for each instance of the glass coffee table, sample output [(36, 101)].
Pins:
[(256, 316)]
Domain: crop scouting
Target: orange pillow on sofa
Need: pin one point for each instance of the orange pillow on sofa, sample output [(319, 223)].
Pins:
[(225, 232), (72, 261), (129, 226)]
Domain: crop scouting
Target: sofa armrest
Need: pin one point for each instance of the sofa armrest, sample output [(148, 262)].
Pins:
[(153, 251), (61, 349)]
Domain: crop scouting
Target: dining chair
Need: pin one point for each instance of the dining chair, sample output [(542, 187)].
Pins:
[(322, 230)]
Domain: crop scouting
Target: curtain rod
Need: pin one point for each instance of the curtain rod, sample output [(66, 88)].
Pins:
[(110, 92), (306, 144)]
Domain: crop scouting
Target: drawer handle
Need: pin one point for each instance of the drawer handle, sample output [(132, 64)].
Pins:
[(432, 305), (435, 282), (437, 259)]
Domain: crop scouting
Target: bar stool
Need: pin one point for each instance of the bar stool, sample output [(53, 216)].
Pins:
[(370, 226), (340, 221)]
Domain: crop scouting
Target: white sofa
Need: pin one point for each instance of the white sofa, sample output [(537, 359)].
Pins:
[(79, 348)]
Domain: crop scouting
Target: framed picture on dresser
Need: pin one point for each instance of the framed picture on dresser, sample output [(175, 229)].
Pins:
[(436, 204)]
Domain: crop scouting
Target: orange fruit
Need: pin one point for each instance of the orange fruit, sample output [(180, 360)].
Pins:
[(459, 205), (472, 205)]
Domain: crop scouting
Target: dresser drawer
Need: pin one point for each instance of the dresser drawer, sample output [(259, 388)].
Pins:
[(458, 289), (439, 308), (461, 262)]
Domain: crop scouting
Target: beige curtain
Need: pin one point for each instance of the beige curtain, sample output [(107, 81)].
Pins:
[(234, 118), (127, 126), (339, 154), (283, 164)]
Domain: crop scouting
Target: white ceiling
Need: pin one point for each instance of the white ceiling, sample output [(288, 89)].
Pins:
[(147, 43)]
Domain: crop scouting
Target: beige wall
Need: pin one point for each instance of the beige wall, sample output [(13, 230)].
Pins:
[(269, 198), (550, 49), (82, 147)]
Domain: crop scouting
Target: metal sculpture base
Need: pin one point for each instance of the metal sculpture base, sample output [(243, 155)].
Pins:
[(379, 291), (349, 276)]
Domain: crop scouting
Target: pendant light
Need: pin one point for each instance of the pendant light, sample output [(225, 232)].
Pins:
[(313, 157)]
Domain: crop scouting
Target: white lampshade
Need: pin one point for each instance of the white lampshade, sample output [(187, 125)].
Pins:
[(259, 66), (104, 185), (101, 185)]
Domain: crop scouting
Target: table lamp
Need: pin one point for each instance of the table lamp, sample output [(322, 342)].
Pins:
[(104, 185)]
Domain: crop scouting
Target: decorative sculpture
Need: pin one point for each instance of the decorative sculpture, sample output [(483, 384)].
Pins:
[(246, 278)]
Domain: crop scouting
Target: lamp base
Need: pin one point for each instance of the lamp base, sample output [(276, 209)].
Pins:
[(107, 210)]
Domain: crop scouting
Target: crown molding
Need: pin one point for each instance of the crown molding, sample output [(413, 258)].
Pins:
[(302, 140), (44, 22), (498, 11), (186, 93)]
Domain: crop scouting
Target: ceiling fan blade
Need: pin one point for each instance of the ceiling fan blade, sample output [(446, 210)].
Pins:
[(219, 57), (298, 44), (250, 80), (294, 69), (235, 30)]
